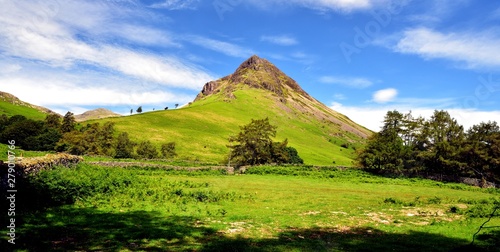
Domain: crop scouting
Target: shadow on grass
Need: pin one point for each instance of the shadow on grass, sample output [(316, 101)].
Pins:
[(72, 229)]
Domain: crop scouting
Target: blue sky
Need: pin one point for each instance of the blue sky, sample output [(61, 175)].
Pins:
[(360, 57)]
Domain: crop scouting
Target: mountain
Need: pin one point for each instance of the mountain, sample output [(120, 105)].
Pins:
[(11, 105), (98, 113), (256, 90)]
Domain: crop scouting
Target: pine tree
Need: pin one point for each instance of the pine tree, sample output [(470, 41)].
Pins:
[(68, 123)]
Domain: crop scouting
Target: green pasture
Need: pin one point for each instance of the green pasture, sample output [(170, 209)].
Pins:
[(93, 208), (201, 130)]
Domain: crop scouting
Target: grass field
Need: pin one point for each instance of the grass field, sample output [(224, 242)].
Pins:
[(201, 131), (265, 209), (10, 109)]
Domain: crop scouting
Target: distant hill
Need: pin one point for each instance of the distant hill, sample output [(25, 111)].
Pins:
[(256, 90), (98, 113), (11, 105)]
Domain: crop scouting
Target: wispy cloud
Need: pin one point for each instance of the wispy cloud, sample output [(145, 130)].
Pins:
[(475, 49), (57, 45), (323, 5), (385, 95), (223, 47), (355, 82), (177, 4), (78, 54), (283, 40)]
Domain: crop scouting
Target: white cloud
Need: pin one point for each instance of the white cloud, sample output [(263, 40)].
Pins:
[(66, 92), (30, 32), (220, 46), (476, 49), (372, 116), (355, 82), (385, 95), (283, 40)]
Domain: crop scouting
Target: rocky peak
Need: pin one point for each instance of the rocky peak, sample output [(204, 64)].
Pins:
[(255, 72)]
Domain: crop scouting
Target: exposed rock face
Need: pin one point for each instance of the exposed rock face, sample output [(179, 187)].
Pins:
[(257, 73), (208, 89)]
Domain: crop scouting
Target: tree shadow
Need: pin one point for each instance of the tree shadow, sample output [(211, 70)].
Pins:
[(88, 229), (355, 239)]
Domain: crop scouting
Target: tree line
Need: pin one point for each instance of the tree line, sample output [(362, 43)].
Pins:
[(65, 135), (438, 145)]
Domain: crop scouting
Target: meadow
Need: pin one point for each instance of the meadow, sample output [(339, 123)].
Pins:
[(267, 208)]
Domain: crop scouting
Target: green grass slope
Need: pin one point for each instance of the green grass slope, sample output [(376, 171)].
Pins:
[(201, 130), (10, 109)]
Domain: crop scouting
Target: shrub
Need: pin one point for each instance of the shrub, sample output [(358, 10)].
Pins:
[(168, 150), (146, 150)]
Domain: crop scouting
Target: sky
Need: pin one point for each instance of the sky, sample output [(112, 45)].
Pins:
[(359, 57)]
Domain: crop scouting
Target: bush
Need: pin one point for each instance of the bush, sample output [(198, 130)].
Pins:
[(168, 150), (146, 150), (124, 147)]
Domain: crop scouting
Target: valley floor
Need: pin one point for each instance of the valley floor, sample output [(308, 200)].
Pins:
[(265, 209)]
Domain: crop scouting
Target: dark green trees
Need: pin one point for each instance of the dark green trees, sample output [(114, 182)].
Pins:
[(254, 146), (438, 145)]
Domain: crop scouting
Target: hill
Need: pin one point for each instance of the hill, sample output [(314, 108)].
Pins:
[(256, 90), (11, 105), (98, 113)]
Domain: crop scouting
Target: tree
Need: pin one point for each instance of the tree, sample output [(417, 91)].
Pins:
[(146, 150), (176, 105), (68, 123), (124, 146), (166, 108), (168, 150), (253, 143), (481, 151), (441, 142), (139, 109), (53, 121), (22, 132), (131, 111), (385, 150)]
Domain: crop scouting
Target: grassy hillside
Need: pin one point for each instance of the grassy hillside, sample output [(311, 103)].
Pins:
[(202, 129), (12, 109)]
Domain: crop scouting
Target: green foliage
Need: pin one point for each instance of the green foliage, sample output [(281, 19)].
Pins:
[(255, 146), (438, 145), (124, 146), (53, 121), (68, 123), (92, 139), (139, 109), (253, 143), (293, 156), (146, 150), (168, 150)]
